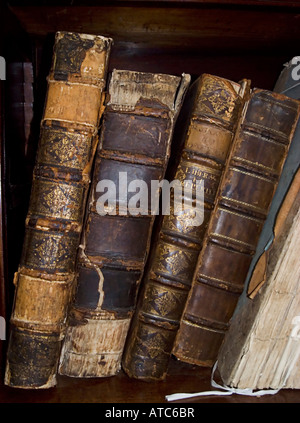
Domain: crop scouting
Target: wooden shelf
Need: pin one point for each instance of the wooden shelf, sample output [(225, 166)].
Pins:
[(232, 39), (121, 389)]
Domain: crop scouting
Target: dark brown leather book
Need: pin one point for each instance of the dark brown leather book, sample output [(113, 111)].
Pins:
[(134, 150), (208, 120), (270, 276), (67, 144), (261, 347), (248, 184)]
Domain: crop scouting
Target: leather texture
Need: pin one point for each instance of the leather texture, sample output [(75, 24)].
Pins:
[(67, 144), (246, 190), (207, 126), (135, 141)]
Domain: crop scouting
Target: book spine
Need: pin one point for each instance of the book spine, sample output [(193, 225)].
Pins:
[(273, 237), (67, 143), (248, 184), (134, 147), (261, 347), (210, 113)]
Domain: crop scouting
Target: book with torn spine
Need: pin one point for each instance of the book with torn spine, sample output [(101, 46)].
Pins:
[(134, 150)]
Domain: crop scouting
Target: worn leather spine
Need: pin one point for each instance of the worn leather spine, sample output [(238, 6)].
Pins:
[(135, 140), (248, 184), (210, 114), (67, 145), (261, 348)]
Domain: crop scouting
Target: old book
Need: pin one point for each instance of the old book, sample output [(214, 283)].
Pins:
[(262, 348), (134, 149), (273, 246), (248, 184), (285, 85), (67, 144), (207, 124)]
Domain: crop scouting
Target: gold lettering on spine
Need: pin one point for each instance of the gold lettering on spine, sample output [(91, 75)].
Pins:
[(195, 172)]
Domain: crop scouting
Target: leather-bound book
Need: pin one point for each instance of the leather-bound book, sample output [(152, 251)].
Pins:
[(134, 149), (260, 348), (207, 125), (248, 184), (67, 144)]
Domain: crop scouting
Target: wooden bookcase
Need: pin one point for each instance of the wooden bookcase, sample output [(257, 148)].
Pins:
[(232, 39)]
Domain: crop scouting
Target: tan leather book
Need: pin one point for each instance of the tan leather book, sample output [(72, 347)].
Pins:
[(133, 151), (247, 187), (207, 125), (68, 139)]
